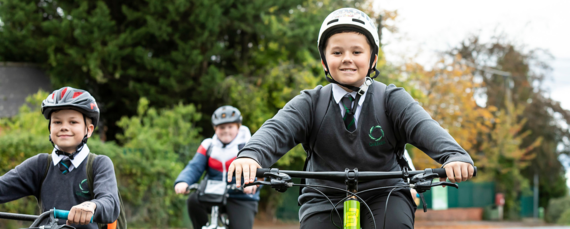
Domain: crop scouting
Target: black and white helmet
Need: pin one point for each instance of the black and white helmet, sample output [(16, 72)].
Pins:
[(349, 19), (71, 98), (226, 114)]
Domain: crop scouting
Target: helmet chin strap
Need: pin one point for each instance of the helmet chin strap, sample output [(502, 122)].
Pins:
[(79, 147)]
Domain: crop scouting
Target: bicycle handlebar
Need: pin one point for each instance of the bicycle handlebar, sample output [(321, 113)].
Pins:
[(362, 176), (421, 181), (37, 219), (230, 187)]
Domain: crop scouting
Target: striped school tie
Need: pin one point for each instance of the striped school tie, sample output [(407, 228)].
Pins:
[(64, 166), (349, 121)]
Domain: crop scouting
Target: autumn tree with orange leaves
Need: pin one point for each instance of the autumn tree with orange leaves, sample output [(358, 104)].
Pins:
[(492, 137)]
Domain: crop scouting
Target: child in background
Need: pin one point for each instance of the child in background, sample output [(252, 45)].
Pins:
[(214, 156)]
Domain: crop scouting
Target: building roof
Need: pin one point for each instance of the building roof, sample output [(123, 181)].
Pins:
[(18, 81)]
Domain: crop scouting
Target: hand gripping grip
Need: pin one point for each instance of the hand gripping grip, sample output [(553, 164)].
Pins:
[(62, 214), (441, 172)]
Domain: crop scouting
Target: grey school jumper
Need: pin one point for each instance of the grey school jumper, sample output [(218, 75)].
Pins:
[(337, 148), (64, 191)]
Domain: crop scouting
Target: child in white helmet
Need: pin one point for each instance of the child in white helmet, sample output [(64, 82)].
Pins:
[(213, 157), (365, 125)]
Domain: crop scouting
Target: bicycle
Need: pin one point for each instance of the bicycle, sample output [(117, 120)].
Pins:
[(421, 181), (53, 215), (218, 216)]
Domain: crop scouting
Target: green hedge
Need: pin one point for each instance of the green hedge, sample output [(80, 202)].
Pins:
[(558, 209)]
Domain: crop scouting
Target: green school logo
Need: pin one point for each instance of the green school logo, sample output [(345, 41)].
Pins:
[(377, 136), (84, 189)]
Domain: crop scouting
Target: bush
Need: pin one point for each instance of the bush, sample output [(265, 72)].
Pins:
[(158, 144), (556, 208), (564, 218)]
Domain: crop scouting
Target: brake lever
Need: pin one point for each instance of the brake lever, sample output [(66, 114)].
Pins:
[(278, 181), (446, 184), (257, 183)]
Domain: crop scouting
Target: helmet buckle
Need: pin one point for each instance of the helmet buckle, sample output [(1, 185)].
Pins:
[(364, 88)]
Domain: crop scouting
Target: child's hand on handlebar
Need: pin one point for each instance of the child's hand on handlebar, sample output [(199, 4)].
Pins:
[(82, 213), (458, 171), (181, 188), (247, 166)]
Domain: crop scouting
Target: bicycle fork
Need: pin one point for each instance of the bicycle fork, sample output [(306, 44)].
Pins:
[(214, 217)]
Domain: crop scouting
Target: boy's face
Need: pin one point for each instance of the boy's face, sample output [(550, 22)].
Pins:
[(348, 57), (67, 129), (227, 132)]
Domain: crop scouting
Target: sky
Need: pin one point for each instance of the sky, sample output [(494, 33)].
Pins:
[(429, 27)]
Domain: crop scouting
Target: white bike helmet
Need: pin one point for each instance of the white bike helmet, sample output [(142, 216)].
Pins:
[(349, 20), (226, 114)]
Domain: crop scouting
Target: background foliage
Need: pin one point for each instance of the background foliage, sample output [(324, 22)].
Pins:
[(514, 132), (158, 69)]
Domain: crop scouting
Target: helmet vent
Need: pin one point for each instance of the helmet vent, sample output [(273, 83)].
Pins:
[(63, 92), (233, 114), (77, 93), (359, 21), (332, 21), (224, 115)]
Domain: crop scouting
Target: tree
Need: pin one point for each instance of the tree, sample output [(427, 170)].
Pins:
[(504, 158), (447, 94), (166, 51), (494, 138), (519, 79)]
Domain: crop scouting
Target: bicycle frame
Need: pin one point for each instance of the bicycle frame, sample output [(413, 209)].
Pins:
[(351, 214)]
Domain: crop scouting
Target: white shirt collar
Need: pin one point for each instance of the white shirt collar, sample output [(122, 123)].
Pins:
[(338, 93), (76, 160)]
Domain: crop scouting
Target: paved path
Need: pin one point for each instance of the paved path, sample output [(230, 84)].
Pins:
[(485, 224)]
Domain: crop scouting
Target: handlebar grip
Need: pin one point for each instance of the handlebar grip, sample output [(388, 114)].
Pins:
[(193, 187), (260, 172), (62, 214), (441, 172)]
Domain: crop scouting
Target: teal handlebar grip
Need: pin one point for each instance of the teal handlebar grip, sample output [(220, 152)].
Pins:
[(62, 214)]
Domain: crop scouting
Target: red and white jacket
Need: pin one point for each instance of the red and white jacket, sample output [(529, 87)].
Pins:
[(218, 162)]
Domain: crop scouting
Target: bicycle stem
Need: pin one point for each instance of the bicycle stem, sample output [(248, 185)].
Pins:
[(351, 181)]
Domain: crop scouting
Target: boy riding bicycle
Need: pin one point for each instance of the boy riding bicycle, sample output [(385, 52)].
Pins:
[(73, 115), (214, 156), (365, 124)]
